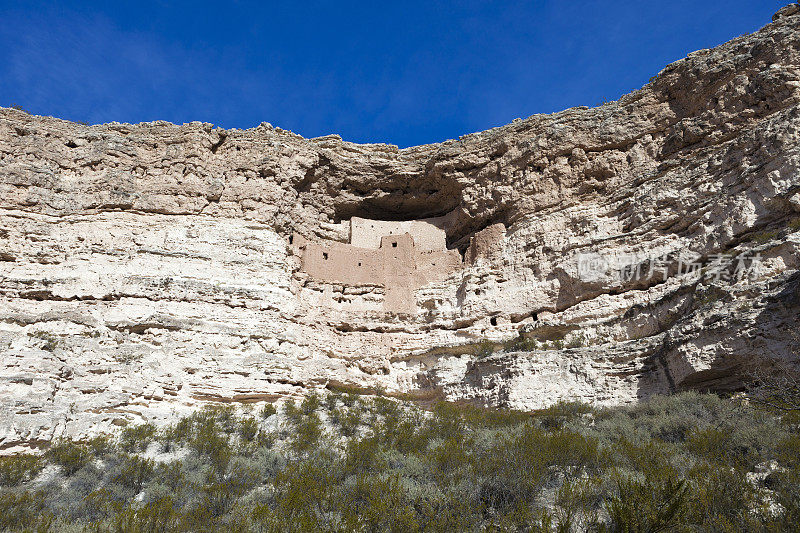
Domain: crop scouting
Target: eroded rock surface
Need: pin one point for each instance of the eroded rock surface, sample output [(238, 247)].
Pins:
[(646, 246)]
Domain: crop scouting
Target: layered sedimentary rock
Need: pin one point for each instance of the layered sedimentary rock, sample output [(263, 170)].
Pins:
[(641, 247)]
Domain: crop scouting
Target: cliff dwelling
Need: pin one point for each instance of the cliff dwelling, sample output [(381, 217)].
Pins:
[(400, 256)]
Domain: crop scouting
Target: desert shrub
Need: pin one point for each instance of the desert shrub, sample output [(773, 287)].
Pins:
[(220, 491), (650, 458), (70, 456), (520, 344), (209, 441), (332, 400), (578, 503), (136, 438), (720, 498), (16, 469), (349, 420), (133, 472), (170, 475), (267, 411), (483, 417), (711, 443), (225, 417), (483, 349), (349, 399), (292, 413), (362, 456), (266, 462), (786, 485), (558, 415), (648, 505), (99, 504), (50, 341), (680, 463), (303, 496), (101, 445), (178, 433), (152, 517), (384, 407), (24, 511), (310, 403), (446, 421), (401, 433), (248, 429), (765, 236), (375, 503), (516, 468), (307, 433), (578, 340), (450, 460)]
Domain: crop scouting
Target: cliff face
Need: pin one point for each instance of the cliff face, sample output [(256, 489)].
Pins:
[(645, 246)]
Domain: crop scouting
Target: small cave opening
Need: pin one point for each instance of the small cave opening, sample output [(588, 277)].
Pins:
[(493, 321), (419, 196)]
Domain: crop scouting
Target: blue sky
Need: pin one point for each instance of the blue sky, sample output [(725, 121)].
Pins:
[(405, 73)]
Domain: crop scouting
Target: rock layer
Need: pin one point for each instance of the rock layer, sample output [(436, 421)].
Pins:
[(146, 269)]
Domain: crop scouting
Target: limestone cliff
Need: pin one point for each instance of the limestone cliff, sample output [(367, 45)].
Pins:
[(644, 246)]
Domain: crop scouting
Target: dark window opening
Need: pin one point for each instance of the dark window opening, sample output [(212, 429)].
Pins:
[(359, 264), (394, 245), (493, 321), (535, 316), (325, 255), (291, 239)]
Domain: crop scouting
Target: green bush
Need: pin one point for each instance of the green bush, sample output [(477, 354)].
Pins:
[(484, 349), (520, 344), (267, 411), (649, 505), (332, 400), (578, 340), (134, 472), (292, 413), (50, 341), (307, 433), (101, 445), (136, 438), (362, 456), (349, 399), (678, 463), (561, 413), (721, 499), (70, 456), (153, 517), (310, 404), (248, 429), (348, 420), (24, 511), (15, 469)]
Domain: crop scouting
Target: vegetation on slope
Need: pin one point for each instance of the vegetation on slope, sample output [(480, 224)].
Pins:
[(341, 462)]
